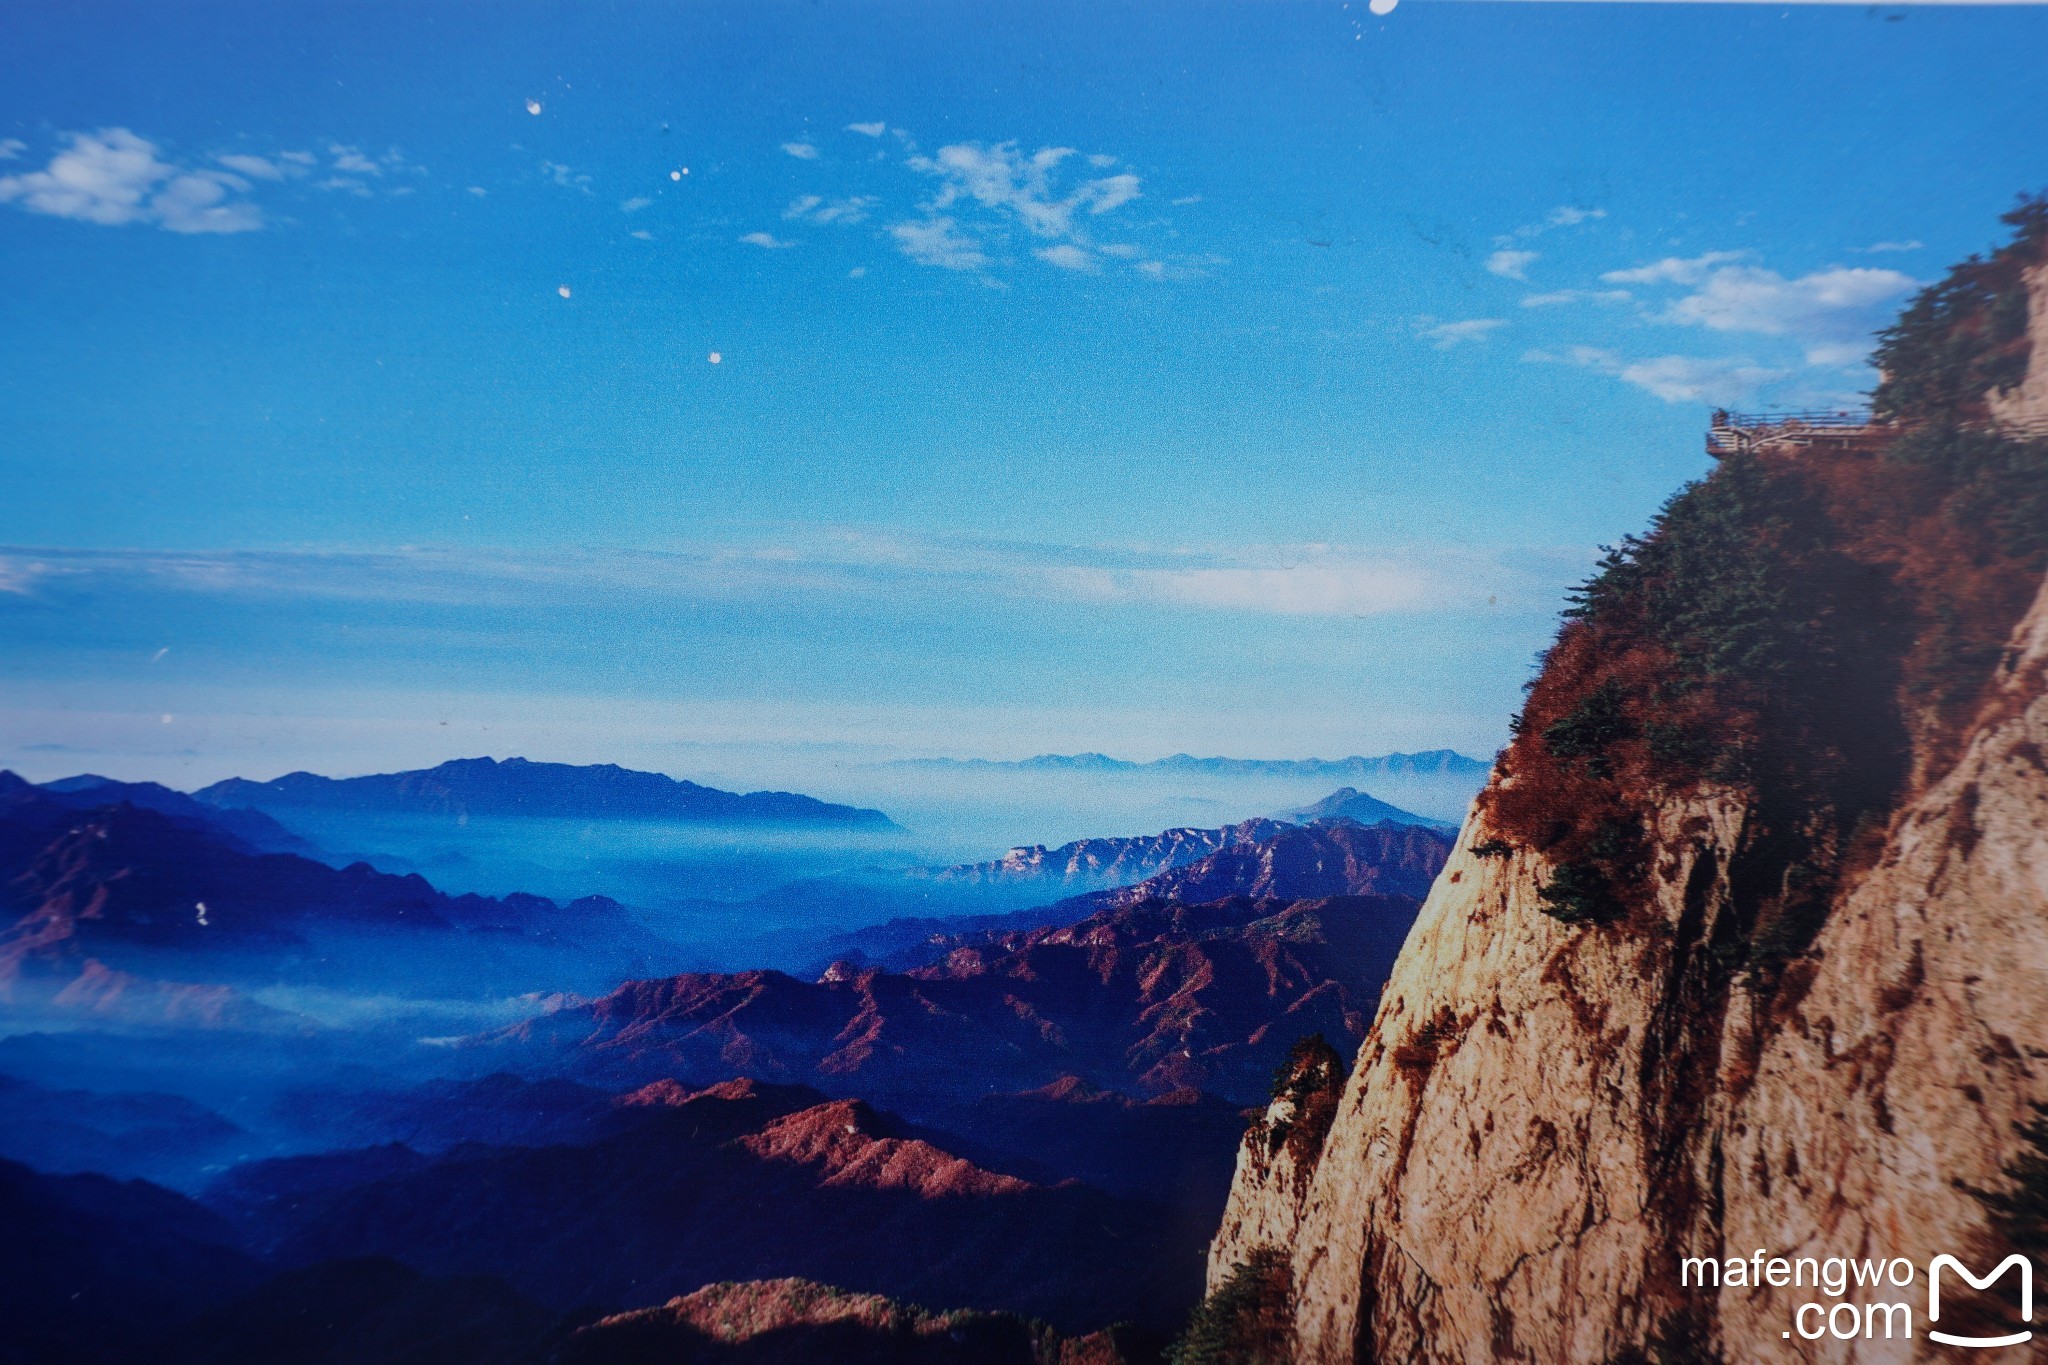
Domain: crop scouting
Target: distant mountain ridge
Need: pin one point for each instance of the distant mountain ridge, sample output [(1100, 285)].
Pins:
[(1272, 859), (81, 889), (1349, 803), (1428, 763), (519, 788), (1124, 860), (1088, 864), (1176, 982), (1338, 857), (1146, 999), (88, 791)]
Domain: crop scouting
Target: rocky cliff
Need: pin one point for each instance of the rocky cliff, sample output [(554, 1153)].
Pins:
[(1742, 947)]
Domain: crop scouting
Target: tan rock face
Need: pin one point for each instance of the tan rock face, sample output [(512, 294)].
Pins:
[(1543, 1119), (1276, 1161), (2023, 408)]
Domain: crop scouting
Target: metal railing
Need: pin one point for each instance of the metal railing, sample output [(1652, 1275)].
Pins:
[(1735, 431), (1811, 417)]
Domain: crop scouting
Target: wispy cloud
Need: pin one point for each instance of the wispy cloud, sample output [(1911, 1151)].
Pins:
[(1560, 297), (1876, 247), (1447, 336), (635, 204), (813, 208), (115, 177), (11, 148), (766, 240), (1005, 179), (1563, 216), (1067, 256), (1010, 189), (939, 242), (1829, 310), (1828, 315), (255, 167), (1318, 580), (1511, 265), (1674, 269), (566, 176), (1674, 378), (987, 206), (352, 160)]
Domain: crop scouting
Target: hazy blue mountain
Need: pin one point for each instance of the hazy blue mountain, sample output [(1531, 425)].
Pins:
[(1428, 763), (88, 897), (516, 788), (89, 791), (1349, 803)]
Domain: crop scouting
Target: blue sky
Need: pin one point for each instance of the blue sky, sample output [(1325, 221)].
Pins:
[(1243, 378)]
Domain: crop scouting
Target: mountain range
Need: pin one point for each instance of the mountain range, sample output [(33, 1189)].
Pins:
[(1269, 859), (1428, 763), (89, 892), (739, 1180), (1145, 993), (515, 788)]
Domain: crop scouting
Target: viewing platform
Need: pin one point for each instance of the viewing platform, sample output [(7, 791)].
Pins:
[(1733, 432)]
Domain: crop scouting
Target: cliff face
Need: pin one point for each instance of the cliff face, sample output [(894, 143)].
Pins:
[(1777, 1004), (1276, 1160), (1537, 1128)]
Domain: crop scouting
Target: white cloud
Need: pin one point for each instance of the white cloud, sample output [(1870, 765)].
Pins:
[(352, 160), (1121, 250), (1004, 179), (766, 240), (1511, 265), (1568, 216), (199, 203), (114, 177), (1306, 589), (812, 208), (1448, 335), (802, 151), (875, 129), (255, 167), (1111, 192), (1067, 256), (1876, 247), (848, 562), (11, 147), (1185, 200), (343, 185), (478, 190), (1009, 189), (1564, 296), (635, 204), (1828, 309), (1723, 381), (567, 177), (642, 233), (1674, 269), (939, 242)]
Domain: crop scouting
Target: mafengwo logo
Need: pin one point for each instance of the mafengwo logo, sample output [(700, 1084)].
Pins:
[(2012, 1262), (1848, 1319)]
